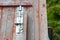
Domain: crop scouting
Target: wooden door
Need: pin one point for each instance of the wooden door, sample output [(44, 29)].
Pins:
[(8, 25)]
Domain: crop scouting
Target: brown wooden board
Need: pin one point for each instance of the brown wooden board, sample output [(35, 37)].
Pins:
[(0, 23)]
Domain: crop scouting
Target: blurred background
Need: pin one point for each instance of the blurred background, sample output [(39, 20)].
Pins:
[(53, 14)]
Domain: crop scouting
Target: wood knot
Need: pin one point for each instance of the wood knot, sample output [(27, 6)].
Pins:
[(6, 39), (43, 5)]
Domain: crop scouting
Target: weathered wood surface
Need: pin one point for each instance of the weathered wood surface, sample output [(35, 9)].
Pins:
[(0, 23), (22, 36), (15, 3), (33, 28), (43, 28), (7, 23), (37, 20), (25, 12)]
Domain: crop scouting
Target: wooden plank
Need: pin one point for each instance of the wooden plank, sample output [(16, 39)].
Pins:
[(7, 22), (39, 21), (3, 25), (0, 23), (44, 27), (0, 15), (25, 22), (10, 23), (33, 23), (23, 4)]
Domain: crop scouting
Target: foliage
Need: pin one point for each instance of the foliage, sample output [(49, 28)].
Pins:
[(53, 13)]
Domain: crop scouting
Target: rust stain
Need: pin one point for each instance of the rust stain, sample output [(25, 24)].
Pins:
[(0, 18), (8, 37), (14, 26), (14, 29), (39, 19), (1, 9)]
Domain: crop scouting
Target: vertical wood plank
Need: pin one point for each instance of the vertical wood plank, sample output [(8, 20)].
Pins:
[(3, 25), (33, 21), (7, 22), (31, 24), (0, 23), (44, 26), (10, 23), (0, 19), (26, 10), (39, 20)]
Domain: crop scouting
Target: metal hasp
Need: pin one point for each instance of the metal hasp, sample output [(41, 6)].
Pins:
[(23, 4), (19, 20)]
